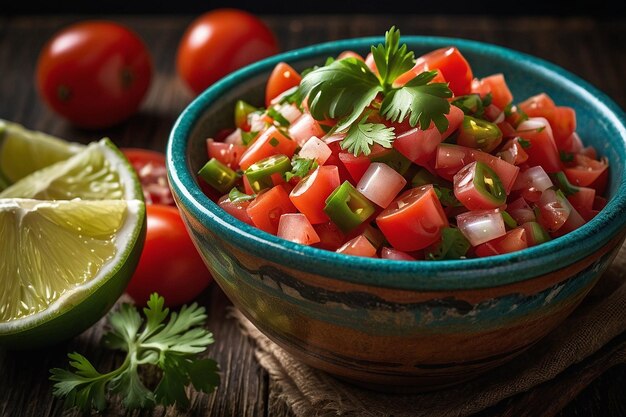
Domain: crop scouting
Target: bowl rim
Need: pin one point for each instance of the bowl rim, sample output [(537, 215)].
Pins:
[(410, 275)]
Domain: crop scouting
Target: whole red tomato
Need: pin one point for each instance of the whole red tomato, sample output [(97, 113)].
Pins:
[(150, 167), (94, 73), (169, 263), (219, 42)]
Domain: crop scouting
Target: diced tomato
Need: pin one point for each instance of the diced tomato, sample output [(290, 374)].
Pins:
[(588, 172), (331, 237), (583, 201), (520, 211), (553, 210), (226, 153), (237, 210), (350, 54), (282, 78), (500, 94), (297, 228), (453, 66), (513, 152), (414, 220), (304, 128), (270, 142), (359, 246), (477, 188), (356, 165), (508, 131), (542, 150), (574, 221), (371, 63), (309, 196), (395, 254), (563, 123), (537, 106), (512, 241), (417, 69), (451, 158), (573, 144), (265, 210), (420, 146)]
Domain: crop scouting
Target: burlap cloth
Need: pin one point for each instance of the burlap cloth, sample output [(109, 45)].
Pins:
[(594, 336)]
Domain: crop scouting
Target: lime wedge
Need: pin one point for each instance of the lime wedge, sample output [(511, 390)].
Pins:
[(92, 174), (24, 151), (57, 254), (71, 235)]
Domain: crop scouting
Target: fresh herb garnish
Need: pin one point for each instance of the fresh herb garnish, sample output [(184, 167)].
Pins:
[(247, 137), (278, 118), (524, 143), (566, 187), (361, 136), (300, 167), (236, 196), (446, 196), (344, 89), (173, 348), (566, 156), (453, 245)]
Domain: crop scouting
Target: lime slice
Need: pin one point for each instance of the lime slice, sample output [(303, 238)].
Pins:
[(57, 256), (24, 151), (71, 236), (95, 173)]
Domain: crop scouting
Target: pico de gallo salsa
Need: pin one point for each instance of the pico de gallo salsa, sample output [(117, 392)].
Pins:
[(401, 158)]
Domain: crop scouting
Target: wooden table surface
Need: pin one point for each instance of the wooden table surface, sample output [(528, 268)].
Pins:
[(593, 49)]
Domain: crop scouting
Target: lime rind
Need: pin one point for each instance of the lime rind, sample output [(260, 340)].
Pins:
[(23, 151)]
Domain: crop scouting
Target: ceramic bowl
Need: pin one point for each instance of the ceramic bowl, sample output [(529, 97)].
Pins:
[(398, 324)]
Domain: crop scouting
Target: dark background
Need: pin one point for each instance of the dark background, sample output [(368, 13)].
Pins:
[(603, 8)]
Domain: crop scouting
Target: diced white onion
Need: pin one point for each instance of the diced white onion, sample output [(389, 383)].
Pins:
[(315, 148), (303, 128), (289, 111), (381, 184), (480, 226), (234, 138), (534, 177)]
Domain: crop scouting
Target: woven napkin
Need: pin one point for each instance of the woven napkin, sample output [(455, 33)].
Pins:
[(590, 341)]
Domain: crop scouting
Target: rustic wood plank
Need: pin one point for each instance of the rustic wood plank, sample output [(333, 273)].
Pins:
[(246, 389)]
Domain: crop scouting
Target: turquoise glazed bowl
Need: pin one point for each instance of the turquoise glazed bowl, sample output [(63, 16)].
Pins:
[(398, 324)]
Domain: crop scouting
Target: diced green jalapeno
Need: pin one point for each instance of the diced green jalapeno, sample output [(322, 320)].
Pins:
[(259, 174), (453, 245), (347, 207), (423, 177), (479, 134), (472, 105), (242, 110), (488, 184), (394, 159), (509, 221), (218, 175), (537, 233), (561, 181)]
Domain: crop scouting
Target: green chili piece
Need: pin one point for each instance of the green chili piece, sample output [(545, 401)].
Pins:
[(242, 110), (347, 207), (485, 135), (453, 245), (509, 221), (538, 233), (488, 184), (218, 175), (472, 105), (561, 181), (259, 174), (394, 159)]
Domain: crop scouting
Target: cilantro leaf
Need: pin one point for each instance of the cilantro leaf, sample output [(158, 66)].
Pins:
[(236, 196), (363, 135), (341, 90), (392, 59), (453, 245), (300, 167), (172, 347), (420, 101)]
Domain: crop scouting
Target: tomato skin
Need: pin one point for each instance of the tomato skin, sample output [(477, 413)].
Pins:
[(170, 263), (309, 196), (268, 143), (453, 66), (265, 210), (282, 78), (94, 73), (512, 241), (227, 153), (219, 42), (414, 220), (588, 172), (542, 150), (150, 168)]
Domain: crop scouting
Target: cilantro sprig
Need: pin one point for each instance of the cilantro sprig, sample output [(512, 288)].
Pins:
[(300, 167), (173, 347), (346, 89)]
